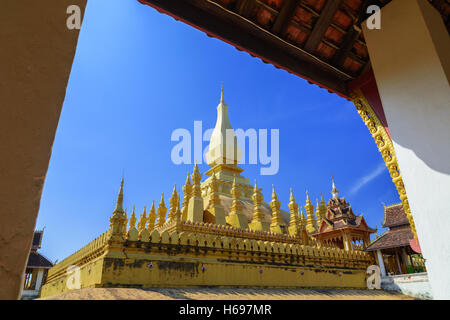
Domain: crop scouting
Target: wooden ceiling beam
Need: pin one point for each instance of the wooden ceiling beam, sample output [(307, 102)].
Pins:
[(322, 24), (346, 47), (244, 7), (286, 14)]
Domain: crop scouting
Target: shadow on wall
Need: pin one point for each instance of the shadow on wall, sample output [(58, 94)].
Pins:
[(414, 285)]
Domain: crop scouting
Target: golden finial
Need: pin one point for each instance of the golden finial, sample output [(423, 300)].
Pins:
[(173, 204), (291, 197), (161, 203), (174, 192), (152, 209), (161, 212), (151, 217), (196, 170), (307, 197), (196, 177), (274, 195), (133, 219), (119, 202), (142, 220), (222, 100), (188, 180)]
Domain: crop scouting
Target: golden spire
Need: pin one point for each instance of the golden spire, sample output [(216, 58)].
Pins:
[(318, 213), (294, 225), (132, 220), (258, 222), (277, 220), (161, 212), (236, 218), (274, 195), (236, 195), (187, 189), (151, 217), (310, 219), (142, 220), (257, 198), (222, 100), (196, 177), (118, 221), (223, 139), (293, 208), (322, 208), (173, 204), (119, 202)]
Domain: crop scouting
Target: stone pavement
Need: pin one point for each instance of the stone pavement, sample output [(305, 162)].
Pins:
[(226, 294)]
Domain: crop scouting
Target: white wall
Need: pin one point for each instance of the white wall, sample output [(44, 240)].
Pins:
[(414, 285), (410, 57)]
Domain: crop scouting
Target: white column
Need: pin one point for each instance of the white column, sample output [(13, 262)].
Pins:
[(381, 263), (39, 279), (411, 62)]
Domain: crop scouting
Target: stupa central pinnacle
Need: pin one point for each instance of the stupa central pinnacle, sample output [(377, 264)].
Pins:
[(223, 148)]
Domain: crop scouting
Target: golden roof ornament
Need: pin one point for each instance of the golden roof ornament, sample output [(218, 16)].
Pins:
[(196, 177), (173, 204), (133, 219), (142, 220), (277, 220), (187, 190), (119, 202), (151, 217), (161, 212)]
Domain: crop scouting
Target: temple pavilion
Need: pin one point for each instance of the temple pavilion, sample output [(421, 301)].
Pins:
[(393, 249), (338, 225)]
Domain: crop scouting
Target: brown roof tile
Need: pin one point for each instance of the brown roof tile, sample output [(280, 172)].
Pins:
[(36, 260), (398, 237), (394, 216)]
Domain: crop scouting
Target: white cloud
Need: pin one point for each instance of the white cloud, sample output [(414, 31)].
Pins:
[(367, 178)]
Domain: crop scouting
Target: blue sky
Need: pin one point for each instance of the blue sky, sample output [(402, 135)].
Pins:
[(138, 75)]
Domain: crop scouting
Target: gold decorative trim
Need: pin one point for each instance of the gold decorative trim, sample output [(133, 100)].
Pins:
[(386, 148)]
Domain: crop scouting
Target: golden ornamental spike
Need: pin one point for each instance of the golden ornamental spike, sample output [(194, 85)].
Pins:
[(274, 195), (291, 197), (151, 217), (119, 202), (133, 219)]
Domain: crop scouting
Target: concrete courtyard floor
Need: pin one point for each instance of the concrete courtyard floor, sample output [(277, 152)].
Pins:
[(226, 294)]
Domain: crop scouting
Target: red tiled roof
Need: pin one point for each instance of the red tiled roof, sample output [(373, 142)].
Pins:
[(394, 238), (394, 216)]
